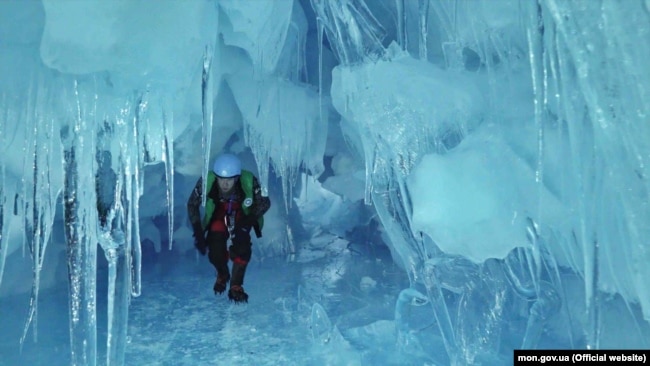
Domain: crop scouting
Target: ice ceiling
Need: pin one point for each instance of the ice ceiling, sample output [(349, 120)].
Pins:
[(499, 144)]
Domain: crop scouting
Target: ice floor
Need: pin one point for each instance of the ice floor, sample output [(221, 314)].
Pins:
[(179, 321), (332, 304)]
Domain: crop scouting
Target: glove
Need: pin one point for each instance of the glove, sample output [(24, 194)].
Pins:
[(241, 236), (199, 239), (200, 245), (246, 222)]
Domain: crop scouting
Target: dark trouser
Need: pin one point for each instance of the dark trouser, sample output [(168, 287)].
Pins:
[(217, 244), (240, 253)]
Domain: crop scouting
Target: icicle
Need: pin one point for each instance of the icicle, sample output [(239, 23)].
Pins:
[(585, 157), (441, 312), (42, 199), (593, 303), (452, 46), (119, 322), (118, 293), (538, 74), (423, 7), (3, 198), (80, 217), (134, 183), (262, 159), (117, 250), (28, 167), (168, 158), (446, 19), (111, 258), (401, 24), (320, 30), (34, 237), (302, 57), (207, 95), (352, 30), (370, 154)]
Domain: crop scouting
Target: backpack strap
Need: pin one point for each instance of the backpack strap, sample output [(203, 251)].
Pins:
[(246, 180)]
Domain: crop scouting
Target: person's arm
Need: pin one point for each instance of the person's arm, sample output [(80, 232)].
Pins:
[(193, 205), (259, 207), (194, 213), (261, 204)]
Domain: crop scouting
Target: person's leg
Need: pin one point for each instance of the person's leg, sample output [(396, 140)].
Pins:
[(218, 255), (240, 254)]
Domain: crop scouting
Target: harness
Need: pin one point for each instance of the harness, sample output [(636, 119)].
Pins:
[(229, 217)]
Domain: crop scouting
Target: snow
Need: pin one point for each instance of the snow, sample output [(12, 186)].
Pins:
[(450, 180)]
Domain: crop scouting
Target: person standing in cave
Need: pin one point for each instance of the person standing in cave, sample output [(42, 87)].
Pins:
[(234, 205)]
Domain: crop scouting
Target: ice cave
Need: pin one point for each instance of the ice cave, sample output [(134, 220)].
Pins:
[(451, 180)]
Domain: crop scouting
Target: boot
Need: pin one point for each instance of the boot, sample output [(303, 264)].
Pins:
[(220, 283), (236, 292)]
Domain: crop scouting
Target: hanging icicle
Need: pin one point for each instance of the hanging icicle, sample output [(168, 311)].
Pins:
[(168, 160), (207, 95), (80, 217), (42, 198)]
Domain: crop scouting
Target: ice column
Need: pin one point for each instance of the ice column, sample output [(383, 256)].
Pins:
[(113, 215), (39, 201), (155, 130), (119, 279), (80, 215), (129, 136), (433, 284), (132, 157)]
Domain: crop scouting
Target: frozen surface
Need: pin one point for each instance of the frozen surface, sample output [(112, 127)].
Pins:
[(178, 320)]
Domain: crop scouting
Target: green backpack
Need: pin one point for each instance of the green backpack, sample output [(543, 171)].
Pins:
[(246, 182)]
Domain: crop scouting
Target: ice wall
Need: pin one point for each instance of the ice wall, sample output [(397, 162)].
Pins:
[(88, 100), (559, 131)]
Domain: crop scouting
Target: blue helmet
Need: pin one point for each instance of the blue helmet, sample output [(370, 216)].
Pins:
[(227, 166)]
